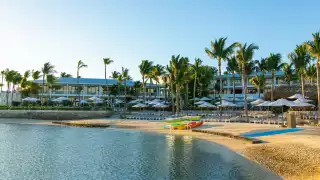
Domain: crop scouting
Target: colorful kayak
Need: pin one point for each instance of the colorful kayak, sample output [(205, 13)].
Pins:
[(183, 125)]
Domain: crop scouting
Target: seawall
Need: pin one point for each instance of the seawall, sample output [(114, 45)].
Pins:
[(54, 114)]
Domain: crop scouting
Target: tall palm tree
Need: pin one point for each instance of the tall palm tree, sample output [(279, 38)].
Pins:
[(107, 61), (171, 80), (273, 64), (165, 80), (314, 50), (300, 57), (24, 80), (2, 77), (221, 52), (15, 81), (232, 67), (196, 70), (65, 75), (47, 69), (244, 56), (145, 67), (125, 77), (80, 65), (35, 74), (180, 69), (9, 77), (155, 74), (288, 73), (50, 80), (311, 73), (258, 82)]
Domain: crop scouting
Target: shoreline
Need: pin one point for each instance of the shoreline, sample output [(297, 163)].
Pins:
[(291, 156)]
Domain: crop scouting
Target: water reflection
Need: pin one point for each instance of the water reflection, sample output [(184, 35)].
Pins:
[(50, 152)]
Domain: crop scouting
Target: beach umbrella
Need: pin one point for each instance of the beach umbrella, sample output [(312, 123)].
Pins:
[(225, 103), (297, 96), (281, 102), (140, 105), (302, 100), (207, 105), (195, 99), (94, 98), (199, 102), (30, 99), (118, 101), (205, 99), (83, 102), (264, 104), (135, 101), (257, 102), (302, 104)]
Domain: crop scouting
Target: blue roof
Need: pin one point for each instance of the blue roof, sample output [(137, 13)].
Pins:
[(267, 74), (90, 81)]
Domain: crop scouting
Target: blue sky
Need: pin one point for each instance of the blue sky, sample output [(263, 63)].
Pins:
[(62, 32)]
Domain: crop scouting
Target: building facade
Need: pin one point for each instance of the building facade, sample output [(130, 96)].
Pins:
[(89, 87), (227, 85)]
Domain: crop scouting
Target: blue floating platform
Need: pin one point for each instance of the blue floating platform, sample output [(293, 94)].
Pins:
[(270, 133)]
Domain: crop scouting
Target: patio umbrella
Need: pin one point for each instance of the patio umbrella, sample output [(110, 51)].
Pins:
[(302, 100), (208, 105), (199, 102), (205, 99), (195, 99), (140, 105), (302, 104), (297, 96), (257, 102), (83, 102), (30, 99), (225, 103), (94, 98), (281, 103), (264, 104)]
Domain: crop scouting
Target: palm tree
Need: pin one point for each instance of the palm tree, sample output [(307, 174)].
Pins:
[(125, 77), (232, 67), (107, 61), (273, 64), (2, 77), (311, 73), (24, 80), (165, 80), (220, 52), (244, 56), (9, 76), (300, 58), (171, 80), (314, 50), (258, 82), (15, 81), (196, 70), (288, 72), (50, 80), (65, 75), (47, 69), (179, 66), (35, 74), (80, 65), (145, 69)]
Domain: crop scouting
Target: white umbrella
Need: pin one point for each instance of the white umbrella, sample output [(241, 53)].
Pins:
[(135, 101), (282, 102), (205, 99), (195, 99), (118, 101), (200, 102), (30, 99), (207, 105), (266, 103), (297, 96), (83, 102), (302, 104), (140, 105), (225, 103), (257, 102), (94, 98), (302, 100)]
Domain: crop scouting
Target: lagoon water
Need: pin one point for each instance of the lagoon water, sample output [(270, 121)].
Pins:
[(67, 153)]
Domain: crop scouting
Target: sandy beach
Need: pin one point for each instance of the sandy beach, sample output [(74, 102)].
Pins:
[(293, 156)]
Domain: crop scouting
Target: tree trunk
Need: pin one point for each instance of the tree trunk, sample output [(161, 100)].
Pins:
[(165, 93), (244, 84), (144, 89), (172, 96), (259, 92), (318, 83), (194, 88), (125, 95), (13, 87), (272, 85), (233, 88), (42, 88), (155, 94), (186, 95), (219, 71), (2, 82), (105, 77), (302, 85), (7, 94), (177, 99)]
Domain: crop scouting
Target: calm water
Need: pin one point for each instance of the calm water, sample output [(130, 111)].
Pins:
[(52, 152)]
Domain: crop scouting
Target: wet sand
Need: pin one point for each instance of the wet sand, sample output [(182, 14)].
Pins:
[(293, 156)]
